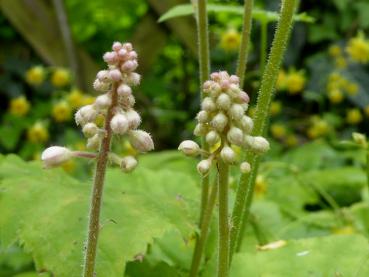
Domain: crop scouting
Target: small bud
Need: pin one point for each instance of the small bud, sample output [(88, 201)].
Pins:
[(203, 117), (203, 167), (236, 111), (212, 138), (215, 90), (215, 76), (88, 113), (246, 124), (124, 90), (243, 97), (208, 104), (134, 119), (110, 57), (228, 155), (119, 124), (219, 122), (117, 46), (128, 164), (79, 119), (141, 140), (55, 155), (224, 84), (129, 66), (128, 46), (223, 101), (235, 136), (224, 75), (127, 101), (132, 55), (100, 85), (103, 102), (207, 85), (93, 142), (90, 129), (189, 148), (234, 79), (103, 75), (115, 75), (122, 53), (259, 145), (245, 167), (235, 89), (200, 130), (134, 79)]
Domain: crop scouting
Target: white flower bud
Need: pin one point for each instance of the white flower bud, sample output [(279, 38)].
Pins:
[(119, 124), (243, 97), (100, 85), (132, 55), (234, 79), (93, 142), (103, 102), (115, 75), (224, 84), (200, 130), (79, 119), (124, 90), (203, 167), (134, 119), (224, 75), (127, 101), (212, 138), (122, 53), (117, 46), (129, 66), (103, 75), (110, 57), (235, 89), (189, 148), (246, 124), (236, 111), (133, 78), (141, 140), (207, 85), (259, 145), (215, 90), (90, 129), (128, 164), (203, 117), (245, 167), (55, 155), (88, 113), (235, 136), (223, 101), (219, 121), (215, 76), (128, 46), (228, 155), (208, 104)]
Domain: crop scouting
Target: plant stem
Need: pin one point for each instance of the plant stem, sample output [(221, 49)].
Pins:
[(203, 41), (265, 95), (223, 251), (367, 166), (200, 244), (263, 44), (245, 39), (97, 192)]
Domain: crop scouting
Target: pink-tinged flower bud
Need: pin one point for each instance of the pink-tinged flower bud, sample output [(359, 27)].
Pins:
[(200, 130), (224, 101), (100, 85), (55, 156), (132, 55), (234, 90), (93, 143), (119, 124), (189, 148), (88, 113), (243, 97), (128, 164), (103, 75), (122, 54), (212, 138), (228, 155), (215, 76), (224, 75), (141, 140), (207, 85), (245, 167), (236, 112), (115, 75), (133, 79), (219, 122), (124, 90), (208, 105), (129, 66), (134, 119), (110, 57), (90, 129), (246, 124), (203, 117), (103, 102), (224, 84), (117, 46), (215, 90), (235, 136), (128, 46), (234, 79), (203, 167)]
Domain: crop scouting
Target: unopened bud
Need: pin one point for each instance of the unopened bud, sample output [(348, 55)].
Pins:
[(88, 113), (234, 79), (219, 122), (132, 55), (115, 75), (128, 164), (203, 117), (124, 90), (55, 155), (228, 155), (141, 140), (246, 124), (129, 66), (101, 85), (203, 167), (103, 102), (189, 148), (212, 138), (117, 46), (94, 142), (134, 119), (110, 57), (90, 129), (103, 75), (245, 167), (134, 79), (119, 124), (223, 101), (208, 104), (259, 145), (243, 97), (236, 111), (200, 130), (122, 53), (235, 136), (128, 46)]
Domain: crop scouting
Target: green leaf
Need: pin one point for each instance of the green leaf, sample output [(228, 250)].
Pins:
[(257, 14), (47, 212)]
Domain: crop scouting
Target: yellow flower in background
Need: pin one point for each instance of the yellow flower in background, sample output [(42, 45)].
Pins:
[(75, 98), (345, 230), (35, 75), (87, 100), (318, 128), (352, 88), (60, 77), (37, 133), (354, 116), (275, 108), (260, 186), (295, 82), (335, 96), (281, 80), (341, 62), (278, 130), (291, 140), (69, 166), (80, 145), (358, 49), (19, 106), (230, 40), (61, 111), (366, 111), (335, 51), (334, 77)]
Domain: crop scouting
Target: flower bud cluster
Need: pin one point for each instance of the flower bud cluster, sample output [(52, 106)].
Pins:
[(222, 121), (116, 102)]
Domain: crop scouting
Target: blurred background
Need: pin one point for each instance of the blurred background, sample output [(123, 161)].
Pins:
[(52, 49)]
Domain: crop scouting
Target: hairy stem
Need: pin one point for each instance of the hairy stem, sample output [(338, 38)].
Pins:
[(201, 242), (265, 95), (97, 192), (263, 44), (245, 41), (223, 251), (367, 166)]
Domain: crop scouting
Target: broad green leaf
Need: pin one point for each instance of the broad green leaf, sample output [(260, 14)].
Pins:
[(47, 212), (268, 16)]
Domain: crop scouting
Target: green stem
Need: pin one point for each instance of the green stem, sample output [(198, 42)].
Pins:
[(223, 254), (201, 241), (265, 96), (263, 44), (97, 192), (367, 166), (245, 41)]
